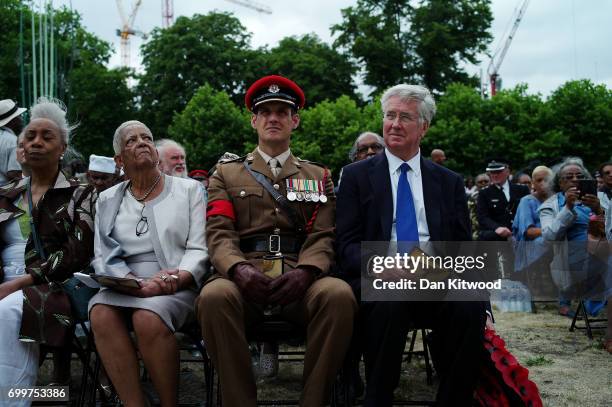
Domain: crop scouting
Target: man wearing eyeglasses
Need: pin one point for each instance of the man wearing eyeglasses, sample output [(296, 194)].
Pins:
[(367, 145), (496, 204), (399, 196)]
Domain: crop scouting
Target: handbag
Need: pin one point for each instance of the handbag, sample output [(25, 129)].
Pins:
[(78, 293)]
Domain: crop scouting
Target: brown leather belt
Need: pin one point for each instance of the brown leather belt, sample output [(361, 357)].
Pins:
[(271, 244)]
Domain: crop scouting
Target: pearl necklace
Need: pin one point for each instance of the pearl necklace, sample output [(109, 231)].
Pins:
[(148, 191)]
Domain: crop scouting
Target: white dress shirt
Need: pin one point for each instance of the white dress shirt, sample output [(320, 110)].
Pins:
[(416, 185), (506, 189)]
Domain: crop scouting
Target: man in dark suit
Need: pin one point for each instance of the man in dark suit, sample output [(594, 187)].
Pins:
[(496, 204), (399, 196)]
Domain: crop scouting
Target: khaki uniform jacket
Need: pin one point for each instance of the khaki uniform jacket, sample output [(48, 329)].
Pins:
[(257, 213)]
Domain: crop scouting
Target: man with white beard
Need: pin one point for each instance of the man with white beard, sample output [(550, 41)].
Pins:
[(172, 159)]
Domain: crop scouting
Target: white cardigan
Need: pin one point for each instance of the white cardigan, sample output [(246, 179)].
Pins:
[(177, 221)]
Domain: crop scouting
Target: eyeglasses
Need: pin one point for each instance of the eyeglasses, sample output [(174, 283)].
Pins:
[(142, 226), (404, 118), (569, 177), (376, 147)]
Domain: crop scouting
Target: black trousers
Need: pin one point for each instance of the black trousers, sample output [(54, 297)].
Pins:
[(457, 343)]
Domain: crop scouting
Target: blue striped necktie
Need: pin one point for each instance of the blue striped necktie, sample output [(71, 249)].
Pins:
[(405, 213)]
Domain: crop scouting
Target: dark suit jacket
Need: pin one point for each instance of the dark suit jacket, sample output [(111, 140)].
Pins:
[(493, 209), (364, 208)]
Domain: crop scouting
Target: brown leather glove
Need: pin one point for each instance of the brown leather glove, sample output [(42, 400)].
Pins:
[(252, 283), (291, 286)]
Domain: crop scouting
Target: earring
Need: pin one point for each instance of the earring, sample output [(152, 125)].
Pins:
[(61, 157)]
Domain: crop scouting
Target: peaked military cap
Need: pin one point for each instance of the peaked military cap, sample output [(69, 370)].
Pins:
[(274, 88)]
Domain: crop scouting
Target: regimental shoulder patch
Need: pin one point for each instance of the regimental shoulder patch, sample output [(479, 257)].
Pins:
[(230, 158)]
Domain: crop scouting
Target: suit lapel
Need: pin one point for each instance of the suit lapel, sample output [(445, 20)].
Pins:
[(432, 195), (380, 181)]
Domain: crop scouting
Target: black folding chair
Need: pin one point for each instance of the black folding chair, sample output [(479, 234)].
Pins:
[(582, 315)]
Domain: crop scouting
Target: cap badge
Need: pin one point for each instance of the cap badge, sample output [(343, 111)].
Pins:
[(274, 88)]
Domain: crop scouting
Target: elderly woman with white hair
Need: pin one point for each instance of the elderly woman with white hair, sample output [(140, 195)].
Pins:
[(150, 228), (566, 218), (46, 231)]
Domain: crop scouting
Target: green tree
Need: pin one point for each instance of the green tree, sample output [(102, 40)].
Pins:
[(74, 46), (472, 130), (327, 131), (398, 41), (581, 114), (211, 48), (320, 70), (210, 125), (100, 101)]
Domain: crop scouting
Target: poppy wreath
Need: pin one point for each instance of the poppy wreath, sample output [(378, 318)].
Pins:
[(503, 381)]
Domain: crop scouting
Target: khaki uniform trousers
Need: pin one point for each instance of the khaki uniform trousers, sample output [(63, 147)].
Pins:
[(327, 312)]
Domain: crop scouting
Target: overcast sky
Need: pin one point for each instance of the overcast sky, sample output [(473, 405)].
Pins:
[(558, 40)]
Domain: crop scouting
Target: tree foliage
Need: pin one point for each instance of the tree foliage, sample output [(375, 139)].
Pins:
[(210, 125), (398, 41), (581, 115), (209, 49), (327, 131), (575, 120), (74, 47), (97, 98), (314, 65), (100, 101)]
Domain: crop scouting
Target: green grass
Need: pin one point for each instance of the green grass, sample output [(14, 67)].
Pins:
[(538, 361)]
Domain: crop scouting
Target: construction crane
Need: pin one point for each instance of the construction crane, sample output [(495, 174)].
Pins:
[(167, 13), (168, 9), (253, 5), (498, 56), (127, 30)]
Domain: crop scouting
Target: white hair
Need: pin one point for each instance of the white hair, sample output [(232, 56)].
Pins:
[(117, 138), (407, 93), (353, 152), (164, 143), (54, 110), (558, 170)]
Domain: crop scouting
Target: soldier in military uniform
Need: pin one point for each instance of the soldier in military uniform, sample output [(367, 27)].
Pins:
[(270, 235)]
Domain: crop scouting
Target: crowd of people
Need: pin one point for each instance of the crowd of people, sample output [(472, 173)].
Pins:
[(262, 234)]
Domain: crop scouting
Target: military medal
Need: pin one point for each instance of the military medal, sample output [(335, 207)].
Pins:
[(308, 195), (323, 197), (315, 194), (299, 195), (290, 192)]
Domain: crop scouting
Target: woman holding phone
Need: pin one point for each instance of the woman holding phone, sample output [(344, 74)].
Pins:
[(566, 217)]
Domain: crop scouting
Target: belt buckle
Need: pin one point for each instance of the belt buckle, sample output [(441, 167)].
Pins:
[(274, 243)]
